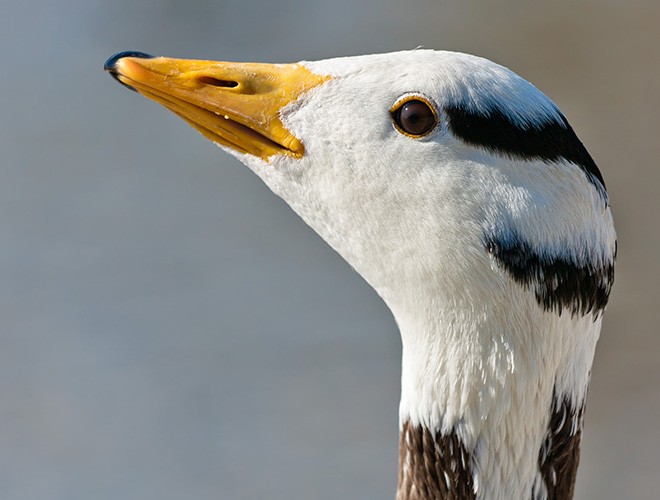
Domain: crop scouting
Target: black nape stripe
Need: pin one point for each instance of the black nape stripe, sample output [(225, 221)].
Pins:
[(550, 141), (557, 282)]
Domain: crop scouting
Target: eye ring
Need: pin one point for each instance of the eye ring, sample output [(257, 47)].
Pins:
[(414, 116)]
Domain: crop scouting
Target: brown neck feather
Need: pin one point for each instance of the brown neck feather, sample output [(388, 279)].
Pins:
[(433, 466), (559, 455)]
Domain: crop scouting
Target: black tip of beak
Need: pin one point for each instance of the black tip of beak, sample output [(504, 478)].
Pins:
[(111, 64)]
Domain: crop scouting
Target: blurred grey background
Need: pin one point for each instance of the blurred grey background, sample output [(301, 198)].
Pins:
[(170, 329)]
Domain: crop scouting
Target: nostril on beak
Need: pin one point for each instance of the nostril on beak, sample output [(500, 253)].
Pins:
[(217, 82), (111, 63)]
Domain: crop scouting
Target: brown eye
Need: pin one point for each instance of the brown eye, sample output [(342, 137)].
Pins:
[(414, 117)]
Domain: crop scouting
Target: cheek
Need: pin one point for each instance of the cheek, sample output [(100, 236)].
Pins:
[(340, 114)]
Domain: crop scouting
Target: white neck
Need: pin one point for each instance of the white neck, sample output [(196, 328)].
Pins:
[(488, 375)]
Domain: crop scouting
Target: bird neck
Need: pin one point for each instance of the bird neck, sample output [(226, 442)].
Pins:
[(487, 408)]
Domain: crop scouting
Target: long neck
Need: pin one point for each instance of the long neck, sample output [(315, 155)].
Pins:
[(492, 404)]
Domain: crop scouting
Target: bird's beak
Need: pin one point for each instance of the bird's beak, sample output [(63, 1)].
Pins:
[(237, 105)]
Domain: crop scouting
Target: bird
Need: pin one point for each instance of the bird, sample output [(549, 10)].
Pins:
[(462, 195)]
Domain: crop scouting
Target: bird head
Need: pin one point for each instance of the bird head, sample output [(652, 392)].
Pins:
[(423, 169)]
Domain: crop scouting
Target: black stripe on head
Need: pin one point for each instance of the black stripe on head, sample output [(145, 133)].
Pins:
[(548, 141), (557, 282)]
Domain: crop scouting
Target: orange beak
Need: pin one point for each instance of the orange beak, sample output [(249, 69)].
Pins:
[(237, 105)]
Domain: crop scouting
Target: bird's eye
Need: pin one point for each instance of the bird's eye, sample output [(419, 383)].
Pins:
[(414, 117)]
